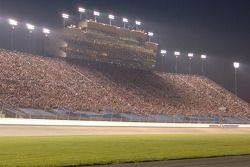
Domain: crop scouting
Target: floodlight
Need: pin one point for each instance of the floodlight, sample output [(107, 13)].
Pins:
[(163, 51), (190, 55), (111, 17), (13, 22), (176, 53), (65, 16), (203, 56), (150, 34), (138, 23), (81, 10), (30, 26), (96, 13), (125, 20), (236, 64), (46, 31)]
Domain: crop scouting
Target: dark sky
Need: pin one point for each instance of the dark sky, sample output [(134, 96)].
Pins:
[(219, 28)]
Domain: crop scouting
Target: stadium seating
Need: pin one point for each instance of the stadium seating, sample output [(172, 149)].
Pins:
[(30, 81)]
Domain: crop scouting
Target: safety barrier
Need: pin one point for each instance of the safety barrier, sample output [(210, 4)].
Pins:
[(46, 122)]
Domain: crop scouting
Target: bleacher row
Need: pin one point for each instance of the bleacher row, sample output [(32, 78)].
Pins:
[(30, 81)]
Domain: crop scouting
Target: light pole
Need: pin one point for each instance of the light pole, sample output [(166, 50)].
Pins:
[(30, 28), (81, 11), (124, 20), (203, 58), (65, 17), (163, 53), (111, 17), (150, 35), (13, 23), (46, 34), (96, 13), (236, 66), (137, 23), (177, 54), (190, 56)]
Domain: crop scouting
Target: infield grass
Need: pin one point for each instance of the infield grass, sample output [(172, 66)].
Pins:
[(87, 150)]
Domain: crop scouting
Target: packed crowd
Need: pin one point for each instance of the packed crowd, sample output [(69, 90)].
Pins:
[(29, 81)]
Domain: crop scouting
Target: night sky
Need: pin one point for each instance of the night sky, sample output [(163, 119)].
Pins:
[(218, 28)]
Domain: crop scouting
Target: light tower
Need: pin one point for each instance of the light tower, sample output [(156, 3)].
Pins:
[(236, 66), (163, 53), (111, 17), (150, 35), (190, 56), (124, 20), (81, 11), (46, 33), (203, 58), (96, 13), (13, 23), (137, 23), (65, 18), (30, 28), (177, 54)]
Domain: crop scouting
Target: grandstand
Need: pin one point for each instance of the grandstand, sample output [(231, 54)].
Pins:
[(45, 86), (93, 41)]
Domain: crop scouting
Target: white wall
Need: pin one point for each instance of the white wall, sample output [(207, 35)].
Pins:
[(46, 122)]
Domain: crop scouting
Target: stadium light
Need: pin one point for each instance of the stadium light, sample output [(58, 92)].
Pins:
[(46, 31), (96, 13), (190, 56), (124, 20), (236, 66), (203, 58), (81, 11), (13, 24), (150, 35), (137, 23), (111, 17), (30, 27), (65, 17), (177, 54), (163, 52)]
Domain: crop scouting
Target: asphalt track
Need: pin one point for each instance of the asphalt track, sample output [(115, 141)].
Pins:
[(231, 161), (15, 130)]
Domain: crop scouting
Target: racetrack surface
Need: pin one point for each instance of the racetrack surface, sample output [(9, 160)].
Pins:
[(15, 130), (230, 161)]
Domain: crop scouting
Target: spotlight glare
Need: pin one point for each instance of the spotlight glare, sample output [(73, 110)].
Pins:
[(13, 22), (163, 51), (138, 23), (190, 55), (236, 64), (112, 17), (30, 26), (203, 56), (81, 10), (96, 13), (65, 16), (46, 31), (150, 34), (176, 53), (125, 20)]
